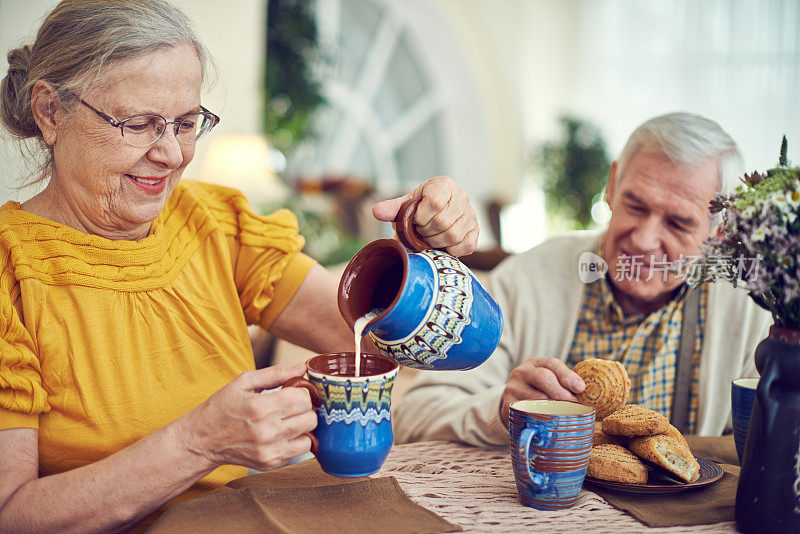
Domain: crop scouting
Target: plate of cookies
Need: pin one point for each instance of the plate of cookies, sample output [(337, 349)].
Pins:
[(636, 450), (659, 482)]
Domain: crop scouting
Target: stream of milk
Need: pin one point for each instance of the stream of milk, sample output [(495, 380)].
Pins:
[(358, 329)]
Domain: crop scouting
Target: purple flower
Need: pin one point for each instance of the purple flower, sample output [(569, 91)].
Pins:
[(759, 234)]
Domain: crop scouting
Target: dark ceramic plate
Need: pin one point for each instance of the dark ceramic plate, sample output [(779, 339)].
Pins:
[(660, 483)]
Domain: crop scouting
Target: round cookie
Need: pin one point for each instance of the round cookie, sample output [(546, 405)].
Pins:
[(616, 463), (607, 385)]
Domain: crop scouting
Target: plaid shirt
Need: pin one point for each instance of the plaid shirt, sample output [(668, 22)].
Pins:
[(646, 344)]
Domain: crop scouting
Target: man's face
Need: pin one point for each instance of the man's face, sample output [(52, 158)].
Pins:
[(659, 211)]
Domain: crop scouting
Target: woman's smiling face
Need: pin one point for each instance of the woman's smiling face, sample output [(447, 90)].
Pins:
[(108, 187)]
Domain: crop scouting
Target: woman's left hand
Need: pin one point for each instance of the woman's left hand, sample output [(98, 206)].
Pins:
[(444, 218)]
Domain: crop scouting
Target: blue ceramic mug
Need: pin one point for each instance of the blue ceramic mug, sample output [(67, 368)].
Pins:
[(550, 445), (354, 418), (743, 394), (433, 315)]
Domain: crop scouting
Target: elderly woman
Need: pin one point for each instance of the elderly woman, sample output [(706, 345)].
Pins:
[(126, 373)]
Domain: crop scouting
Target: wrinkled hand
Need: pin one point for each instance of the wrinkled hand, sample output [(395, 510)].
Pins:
[(444, 218), (540, 378), (240, 425)]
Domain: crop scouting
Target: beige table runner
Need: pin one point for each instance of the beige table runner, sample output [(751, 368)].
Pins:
[(475, 488)]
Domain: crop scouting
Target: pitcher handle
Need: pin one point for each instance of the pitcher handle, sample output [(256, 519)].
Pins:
[(404, 226), (316, 402)]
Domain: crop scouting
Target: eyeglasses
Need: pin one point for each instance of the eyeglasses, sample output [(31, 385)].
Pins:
[(147, 128)]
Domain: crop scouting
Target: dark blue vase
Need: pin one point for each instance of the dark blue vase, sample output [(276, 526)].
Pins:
[(768, 495)]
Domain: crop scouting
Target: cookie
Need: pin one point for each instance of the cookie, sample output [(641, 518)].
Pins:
[(616, 463), (668, 453), (677, 436), (601, 438), (635, 420), (607, 385)]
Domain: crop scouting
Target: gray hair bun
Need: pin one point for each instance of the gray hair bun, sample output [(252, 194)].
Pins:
[(15, 98)]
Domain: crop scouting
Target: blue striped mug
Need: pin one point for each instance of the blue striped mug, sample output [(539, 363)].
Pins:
[(743, 396), (550, 445)]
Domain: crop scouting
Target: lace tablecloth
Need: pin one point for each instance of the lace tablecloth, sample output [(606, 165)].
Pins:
[(475, 489)]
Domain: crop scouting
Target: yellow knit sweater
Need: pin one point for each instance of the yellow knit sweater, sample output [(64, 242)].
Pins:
[(105, 341)]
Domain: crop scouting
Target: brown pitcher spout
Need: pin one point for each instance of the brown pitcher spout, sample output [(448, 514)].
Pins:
[(372, 280)]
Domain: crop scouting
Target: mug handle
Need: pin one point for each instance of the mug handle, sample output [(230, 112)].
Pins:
[(524, 452), (404, 226), (316, 402)]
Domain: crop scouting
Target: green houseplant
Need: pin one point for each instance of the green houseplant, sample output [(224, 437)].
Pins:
[(291, 92), (574, 171), (292, 96)]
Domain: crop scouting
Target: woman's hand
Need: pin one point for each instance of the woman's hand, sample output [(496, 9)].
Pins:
[(241, 425), (444, 218)]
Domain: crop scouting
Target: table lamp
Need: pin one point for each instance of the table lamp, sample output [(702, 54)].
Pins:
[(243, 162)]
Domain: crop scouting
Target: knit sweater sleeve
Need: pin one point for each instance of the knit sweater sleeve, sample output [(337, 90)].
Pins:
[(22, 397), (268, 265)]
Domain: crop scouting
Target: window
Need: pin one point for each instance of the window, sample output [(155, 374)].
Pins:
[(383, 118)]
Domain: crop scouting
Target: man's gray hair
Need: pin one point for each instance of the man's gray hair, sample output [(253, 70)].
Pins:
[(688, 139)]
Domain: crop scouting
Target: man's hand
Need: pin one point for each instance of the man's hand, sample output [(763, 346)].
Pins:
[(444, 218), (540, 378)]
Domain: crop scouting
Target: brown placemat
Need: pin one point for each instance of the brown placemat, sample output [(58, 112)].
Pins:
[(297, 499), (721, 449), (303, 474), (703, 506)]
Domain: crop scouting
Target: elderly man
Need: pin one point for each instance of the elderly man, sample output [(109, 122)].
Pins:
[(612, 296)]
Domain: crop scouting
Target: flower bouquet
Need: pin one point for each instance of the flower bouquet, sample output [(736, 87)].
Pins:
[(757, 243)]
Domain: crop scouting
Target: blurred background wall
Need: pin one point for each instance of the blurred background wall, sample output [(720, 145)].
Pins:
[(491, 93)]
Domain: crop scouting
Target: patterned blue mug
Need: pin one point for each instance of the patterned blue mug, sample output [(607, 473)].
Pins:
[(433, 313), (354, 418), (550, 445)]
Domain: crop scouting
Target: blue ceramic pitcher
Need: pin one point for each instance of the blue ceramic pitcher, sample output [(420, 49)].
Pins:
[(434, 313)]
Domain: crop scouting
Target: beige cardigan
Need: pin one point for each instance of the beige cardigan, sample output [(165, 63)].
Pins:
[(540, 294)]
